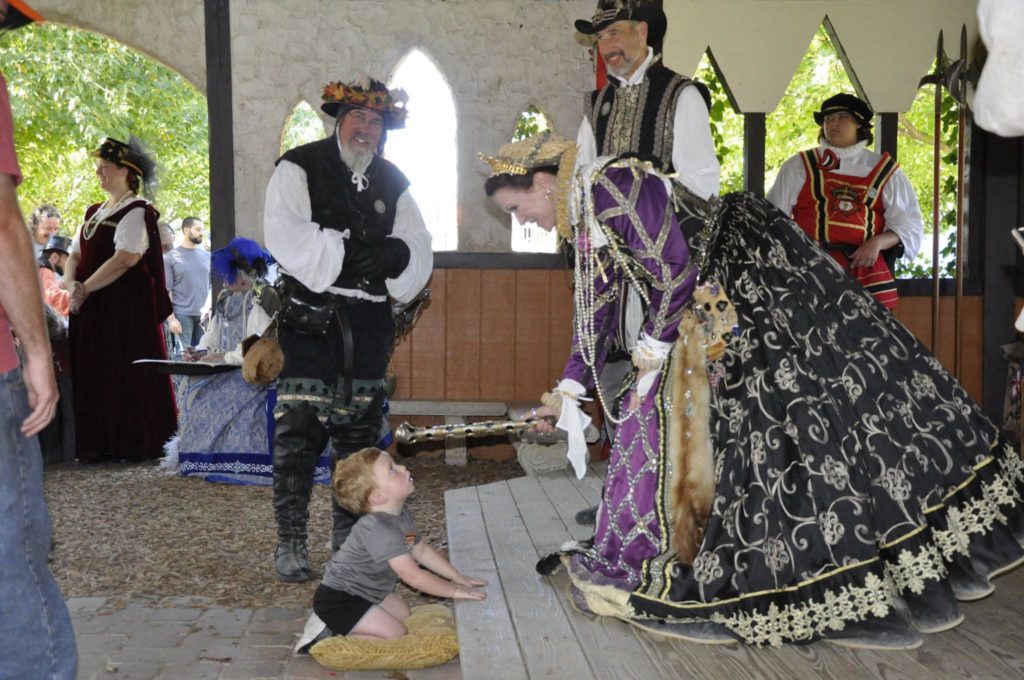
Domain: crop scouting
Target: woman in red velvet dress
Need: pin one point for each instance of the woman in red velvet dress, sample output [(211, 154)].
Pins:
[(118, 300)]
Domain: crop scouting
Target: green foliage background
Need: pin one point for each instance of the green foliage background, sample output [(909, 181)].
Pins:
[(70, 89)]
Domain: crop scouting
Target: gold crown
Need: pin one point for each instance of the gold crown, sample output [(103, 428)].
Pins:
[(539, 151)]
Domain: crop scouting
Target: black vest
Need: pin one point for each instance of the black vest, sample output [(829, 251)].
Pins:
[(639, 118), (336, 203)]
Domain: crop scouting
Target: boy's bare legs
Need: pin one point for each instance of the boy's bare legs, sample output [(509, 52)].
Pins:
[(383, 621)]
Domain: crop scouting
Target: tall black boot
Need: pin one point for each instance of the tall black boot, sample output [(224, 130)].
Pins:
[(298, 439), (346, 440)]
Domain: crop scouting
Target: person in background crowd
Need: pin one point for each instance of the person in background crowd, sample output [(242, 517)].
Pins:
[(36, 638), (44, 222), (51, 275), (187, 272)]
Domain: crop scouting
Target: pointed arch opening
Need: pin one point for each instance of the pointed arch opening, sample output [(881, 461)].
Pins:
[(425, 150), (790, 128), (304, 125), (528, 237)]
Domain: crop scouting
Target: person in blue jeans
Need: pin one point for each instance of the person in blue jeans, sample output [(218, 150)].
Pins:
[(187, 274), (36, 638)]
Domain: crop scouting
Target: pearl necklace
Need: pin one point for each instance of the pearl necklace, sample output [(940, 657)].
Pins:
[(101, 213), (588, 267)]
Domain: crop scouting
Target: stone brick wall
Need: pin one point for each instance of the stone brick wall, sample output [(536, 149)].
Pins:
[(498, 56)]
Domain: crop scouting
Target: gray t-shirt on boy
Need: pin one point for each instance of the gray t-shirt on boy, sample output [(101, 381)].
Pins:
[(360, 566)]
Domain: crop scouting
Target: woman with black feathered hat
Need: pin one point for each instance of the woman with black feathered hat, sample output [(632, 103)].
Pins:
[(858, 204), (118, 299)]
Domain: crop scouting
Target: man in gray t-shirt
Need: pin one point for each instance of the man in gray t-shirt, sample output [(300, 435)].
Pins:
[(187, 273)]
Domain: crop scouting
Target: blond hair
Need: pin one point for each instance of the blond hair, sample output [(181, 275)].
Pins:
[(353, 480)]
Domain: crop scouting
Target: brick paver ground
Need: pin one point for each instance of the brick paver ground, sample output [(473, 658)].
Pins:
[(193, 639)]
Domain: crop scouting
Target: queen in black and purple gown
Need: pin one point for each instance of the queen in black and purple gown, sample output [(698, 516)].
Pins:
[(789, 463)]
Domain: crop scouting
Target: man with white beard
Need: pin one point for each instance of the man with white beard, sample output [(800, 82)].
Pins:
[(347, 234)]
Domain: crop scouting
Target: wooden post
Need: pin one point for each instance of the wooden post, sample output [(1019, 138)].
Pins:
[(753, 153), (219, 108)]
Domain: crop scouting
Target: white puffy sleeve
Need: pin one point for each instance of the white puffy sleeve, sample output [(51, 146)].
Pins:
[(130, 234), (788, 184), (693, 149), (304, 250), (586, 145), (903, 213), (410, 228)]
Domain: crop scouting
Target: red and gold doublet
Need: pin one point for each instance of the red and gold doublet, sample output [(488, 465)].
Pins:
[(842, 212)]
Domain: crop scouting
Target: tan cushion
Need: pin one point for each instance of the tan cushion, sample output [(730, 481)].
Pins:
[(431, 640)]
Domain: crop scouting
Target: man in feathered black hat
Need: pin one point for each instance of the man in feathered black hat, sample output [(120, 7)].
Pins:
[(646, 108), (347, 234), (36, 638)]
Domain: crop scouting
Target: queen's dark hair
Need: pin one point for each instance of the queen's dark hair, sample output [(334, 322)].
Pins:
[(521, 182)]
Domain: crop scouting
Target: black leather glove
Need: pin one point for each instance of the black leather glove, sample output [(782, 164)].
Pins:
[(365, 229), (387, 259), (392, 256)]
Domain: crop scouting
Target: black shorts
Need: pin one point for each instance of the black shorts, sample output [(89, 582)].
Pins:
[(341, 611)]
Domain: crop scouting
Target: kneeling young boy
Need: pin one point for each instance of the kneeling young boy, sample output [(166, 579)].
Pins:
[(356, 597)]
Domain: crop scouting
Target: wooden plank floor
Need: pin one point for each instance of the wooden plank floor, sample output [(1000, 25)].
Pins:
[(527, 630)]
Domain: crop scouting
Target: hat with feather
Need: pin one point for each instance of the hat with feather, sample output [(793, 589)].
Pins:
[(366, 93), (240, 255)]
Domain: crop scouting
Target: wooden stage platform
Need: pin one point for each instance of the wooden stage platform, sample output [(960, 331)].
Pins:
[(527, 629)]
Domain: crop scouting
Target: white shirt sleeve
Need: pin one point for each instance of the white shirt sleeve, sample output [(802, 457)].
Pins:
[(788, 184), (305, 251), (409, 227), (586, 144), (76, 247), (130, 234), (693, 149), (903, 213)]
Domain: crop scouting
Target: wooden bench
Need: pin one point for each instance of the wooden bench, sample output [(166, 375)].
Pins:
[(453, 412)]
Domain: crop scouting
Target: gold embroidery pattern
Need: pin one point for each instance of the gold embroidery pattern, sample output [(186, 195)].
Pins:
[(910, 572)]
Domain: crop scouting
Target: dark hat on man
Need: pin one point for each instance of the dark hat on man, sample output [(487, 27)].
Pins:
[(366, 93), (57, 244), (610, 11), (19, 14), (855, 106)]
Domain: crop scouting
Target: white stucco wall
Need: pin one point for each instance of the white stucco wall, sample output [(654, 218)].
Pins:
[(498, 57)]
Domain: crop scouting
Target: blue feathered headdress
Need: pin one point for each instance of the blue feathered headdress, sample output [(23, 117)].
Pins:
[(240, 255)]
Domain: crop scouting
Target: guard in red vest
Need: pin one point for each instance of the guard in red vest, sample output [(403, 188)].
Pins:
[(858, 204)]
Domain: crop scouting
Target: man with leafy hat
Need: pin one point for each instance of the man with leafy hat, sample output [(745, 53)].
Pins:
[(36, 638), (646, 108), (347, 235), (857, 203)]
